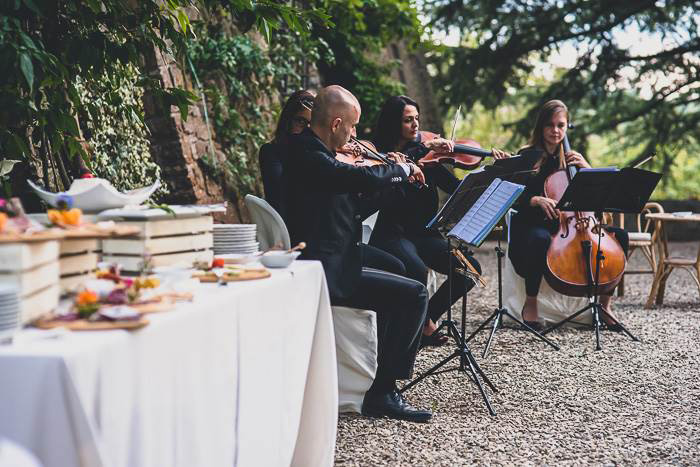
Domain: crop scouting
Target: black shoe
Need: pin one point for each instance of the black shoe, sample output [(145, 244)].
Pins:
[(436, 339), (392, 405), (615, 327), (535, 325)]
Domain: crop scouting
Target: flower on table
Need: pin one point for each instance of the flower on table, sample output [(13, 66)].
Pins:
[(87, 302)]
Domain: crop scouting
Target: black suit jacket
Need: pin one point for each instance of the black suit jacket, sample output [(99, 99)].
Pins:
[(323, 208)]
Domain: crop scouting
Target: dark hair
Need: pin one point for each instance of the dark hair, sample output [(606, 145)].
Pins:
[(297, 102), (544, 116), (387, 129)]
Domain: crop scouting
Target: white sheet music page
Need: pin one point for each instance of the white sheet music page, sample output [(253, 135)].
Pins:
[(486, 212)]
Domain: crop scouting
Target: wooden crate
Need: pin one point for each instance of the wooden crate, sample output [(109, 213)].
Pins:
[(34, 269), (39, 303), (78, 261), (167, 241)]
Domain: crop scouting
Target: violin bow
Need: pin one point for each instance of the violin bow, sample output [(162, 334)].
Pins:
[(454, 123)]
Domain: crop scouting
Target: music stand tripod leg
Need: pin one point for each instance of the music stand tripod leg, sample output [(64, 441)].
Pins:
[(497, 315)]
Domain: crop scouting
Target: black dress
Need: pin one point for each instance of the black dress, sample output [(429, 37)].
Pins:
[(531, 232), (271, 158), (401, 231)]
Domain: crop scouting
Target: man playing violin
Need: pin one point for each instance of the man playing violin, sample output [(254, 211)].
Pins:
[(400, 229), (323, 211)]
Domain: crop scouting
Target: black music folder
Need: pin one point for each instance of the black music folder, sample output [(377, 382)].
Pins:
[(609, 190)]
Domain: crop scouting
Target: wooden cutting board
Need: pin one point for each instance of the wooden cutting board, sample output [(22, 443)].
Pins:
[(244, 276), (85, 325)]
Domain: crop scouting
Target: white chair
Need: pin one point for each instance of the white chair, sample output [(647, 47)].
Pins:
[(551, 306), (272, 231), (356, 351)]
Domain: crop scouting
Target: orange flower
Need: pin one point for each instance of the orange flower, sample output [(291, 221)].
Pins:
[(86, 297), (3, 221)]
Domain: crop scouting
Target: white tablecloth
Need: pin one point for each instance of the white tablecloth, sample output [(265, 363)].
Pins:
[(245, 375)]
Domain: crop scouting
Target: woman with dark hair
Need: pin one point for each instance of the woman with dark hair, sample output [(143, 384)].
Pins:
[(400, 229), (531, 228), (294, 118)]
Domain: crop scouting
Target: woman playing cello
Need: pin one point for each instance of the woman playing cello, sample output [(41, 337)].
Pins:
[(531, 228)]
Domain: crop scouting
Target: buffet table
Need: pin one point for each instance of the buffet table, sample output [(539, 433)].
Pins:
[(243, 375)]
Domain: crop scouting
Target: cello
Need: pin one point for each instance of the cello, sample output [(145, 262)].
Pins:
[(571, 266)]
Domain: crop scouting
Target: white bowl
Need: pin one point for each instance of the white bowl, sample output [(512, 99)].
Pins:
[(97, 194), (278, 259)]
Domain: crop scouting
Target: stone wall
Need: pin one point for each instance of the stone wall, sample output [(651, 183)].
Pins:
[(178, 145)]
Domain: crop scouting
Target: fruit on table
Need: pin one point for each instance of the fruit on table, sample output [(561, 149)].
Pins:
[(218, 263), (66, 217)]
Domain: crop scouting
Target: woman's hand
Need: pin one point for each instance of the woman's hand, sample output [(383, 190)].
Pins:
[(498, 154), (440, 145), (398, 157), (576, 159), (548, 205)]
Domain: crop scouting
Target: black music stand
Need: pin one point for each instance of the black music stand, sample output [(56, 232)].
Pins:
[(605, 190), (458, 211), (496, 318)]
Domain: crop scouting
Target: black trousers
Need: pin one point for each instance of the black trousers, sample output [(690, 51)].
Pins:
[(376, 258), (420, 252), (400, 304), (528, 247)]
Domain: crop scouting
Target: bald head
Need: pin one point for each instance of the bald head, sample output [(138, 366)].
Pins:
[(335, 114), (332, 102)]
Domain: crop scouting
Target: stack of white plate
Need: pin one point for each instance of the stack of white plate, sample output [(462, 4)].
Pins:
[(9, 311), (235, 238)]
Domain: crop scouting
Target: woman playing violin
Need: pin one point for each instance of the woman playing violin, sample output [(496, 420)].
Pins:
[(531, 228), (295, 116), (400, 229)]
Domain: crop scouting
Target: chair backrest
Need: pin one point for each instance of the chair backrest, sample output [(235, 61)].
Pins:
[(272, 232)]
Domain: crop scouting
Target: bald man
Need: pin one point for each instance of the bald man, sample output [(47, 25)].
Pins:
[(323, 210)]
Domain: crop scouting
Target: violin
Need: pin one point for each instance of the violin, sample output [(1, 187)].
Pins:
[(467, 153), (571, 258), (354, 153), (363, 153)]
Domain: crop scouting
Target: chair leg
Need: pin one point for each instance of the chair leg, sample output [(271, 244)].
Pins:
[(621, 287), (662, 285)]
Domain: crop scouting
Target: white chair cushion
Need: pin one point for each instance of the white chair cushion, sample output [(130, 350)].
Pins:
[(356, 350), (639, 236), (551, 306)]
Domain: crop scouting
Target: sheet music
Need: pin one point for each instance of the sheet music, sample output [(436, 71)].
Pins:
[(486, 212)]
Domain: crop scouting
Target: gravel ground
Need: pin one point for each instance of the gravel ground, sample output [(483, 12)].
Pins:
[(631, 403)]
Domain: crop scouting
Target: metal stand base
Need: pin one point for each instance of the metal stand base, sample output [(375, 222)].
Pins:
[(467, 362), (598, 312), (497, 316)]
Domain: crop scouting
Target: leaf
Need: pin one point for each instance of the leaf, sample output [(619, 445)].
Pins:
[(25, 64), (6, 166)]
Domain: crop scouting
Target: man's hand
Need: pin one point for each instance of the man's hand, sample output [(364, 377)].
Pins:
[(548, 205), (416, 174)]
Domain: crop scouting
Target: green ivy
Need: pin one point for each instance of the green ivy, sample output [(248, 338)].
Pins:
[(118, 137), (243, 80)]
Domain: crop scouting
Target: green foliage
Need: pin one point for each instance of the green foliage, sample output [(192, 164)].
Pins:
[(638, 101), (118, 137), (241, 79), (362, 29), (46, 45)]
